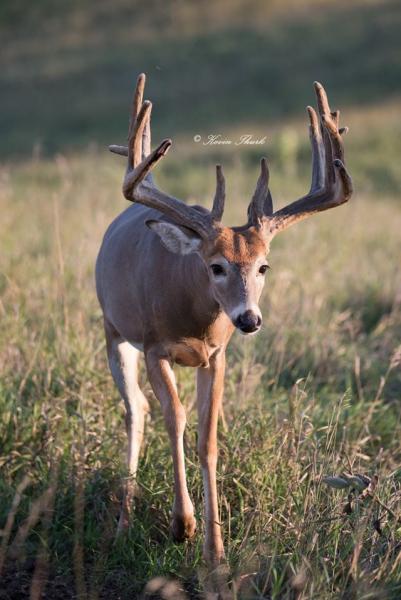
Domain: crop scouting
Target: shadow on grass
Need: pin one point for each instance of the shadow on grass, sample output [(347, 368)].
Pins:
[(111, 568)]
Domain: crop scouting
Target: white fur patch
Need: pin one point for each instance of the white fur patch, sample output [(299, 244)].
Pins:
[(174, 238)]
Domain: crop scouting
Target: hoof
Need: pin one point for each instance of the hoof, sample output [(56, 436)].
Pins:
[(183, 528)]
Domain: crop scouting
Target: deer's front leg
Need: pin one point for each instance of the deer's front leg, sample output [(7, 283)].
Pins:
[(210, 383), (162, 380)]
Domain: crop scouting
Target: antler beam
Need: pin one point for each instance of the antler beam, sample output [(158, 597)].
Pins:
[(138, 185)]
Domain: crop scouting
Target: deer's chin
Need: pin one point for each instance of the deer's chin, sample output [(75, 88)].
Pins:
[(248, 333)]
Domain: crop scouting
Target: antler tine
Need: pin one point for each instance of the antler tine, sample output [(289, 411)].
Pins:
[(220, 196), (137, 175), (143, 143), (317, 150), (261, 205), (146, 139), (136, 102), (123, 150), (331, 184), (140, 116), (120, 150), (136, 133)]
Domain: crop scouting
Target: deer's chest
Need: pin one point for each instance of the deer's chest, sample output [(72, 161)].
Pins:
[(191, 352), (197, 351)]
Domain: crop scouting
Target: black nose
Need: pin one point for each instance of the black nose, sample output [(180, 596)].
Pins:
[(248, 322)]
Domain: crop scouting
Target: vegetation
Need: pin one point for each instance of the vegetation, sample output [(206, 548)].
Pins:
[(316, 394)]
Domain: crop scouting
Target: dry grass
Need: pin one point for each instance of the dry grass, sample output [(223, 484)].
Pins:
[(315, 394)]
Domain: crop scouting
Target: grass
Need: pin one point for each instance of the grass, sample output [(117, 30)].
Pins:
[(315, 394)]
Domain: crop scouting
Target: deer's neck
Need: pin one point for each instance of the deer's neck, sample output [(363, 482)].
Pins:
[(199, 309)]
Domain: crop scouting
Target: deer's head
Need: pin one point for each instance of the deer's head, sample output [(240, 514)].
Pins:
[(235, 258)]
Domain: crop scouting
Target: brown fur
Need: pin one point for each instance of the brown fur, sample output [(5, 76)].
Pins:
[(241, 248)]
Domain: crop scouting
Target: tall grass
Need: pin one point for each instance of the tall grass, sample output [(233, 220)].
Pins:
[(316, 394)]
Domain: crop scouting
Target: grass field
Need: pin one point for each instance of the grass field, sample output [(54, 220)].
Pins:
[(317, 393)]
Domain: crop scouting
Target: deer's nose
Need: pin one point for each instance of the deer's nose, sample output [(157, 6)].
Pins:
[(248, 322)]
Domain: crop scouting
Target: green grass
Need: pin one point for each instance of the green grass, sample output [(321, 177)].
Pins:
[(316, 393)]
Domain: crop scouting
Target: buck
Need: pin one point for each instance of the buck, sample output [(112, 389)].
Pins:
[(174, 283)]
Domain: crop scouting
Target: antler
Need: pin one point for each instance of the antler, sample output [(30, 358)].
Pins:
[(331, 184), (138, 185), (261, 205)]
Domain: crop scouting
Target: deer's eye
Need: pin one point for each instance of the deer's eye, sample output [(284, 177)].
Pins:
[(263, 269), (217, 269)]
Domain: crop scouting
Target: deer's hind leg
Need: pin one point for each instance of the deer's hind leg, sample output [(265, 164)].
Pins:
[(123, 362)]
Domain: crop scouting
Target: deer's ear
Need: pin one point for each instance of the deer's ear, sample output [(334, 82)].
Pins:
[(176, 238)]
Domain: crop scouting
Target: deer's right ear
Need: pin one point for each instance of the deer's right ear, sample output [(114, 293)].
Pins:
[(176, 238)]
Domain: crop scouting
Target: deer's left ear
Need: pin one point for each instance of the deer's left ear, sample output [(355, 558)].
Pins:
[(176, 238)]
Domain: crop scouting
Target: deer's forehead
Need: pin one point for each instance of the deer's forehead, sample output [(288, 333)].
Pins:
[(239, 247)]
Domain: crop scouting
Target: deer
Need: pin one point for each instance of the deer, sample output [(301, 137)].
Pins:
[(174, 283)]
